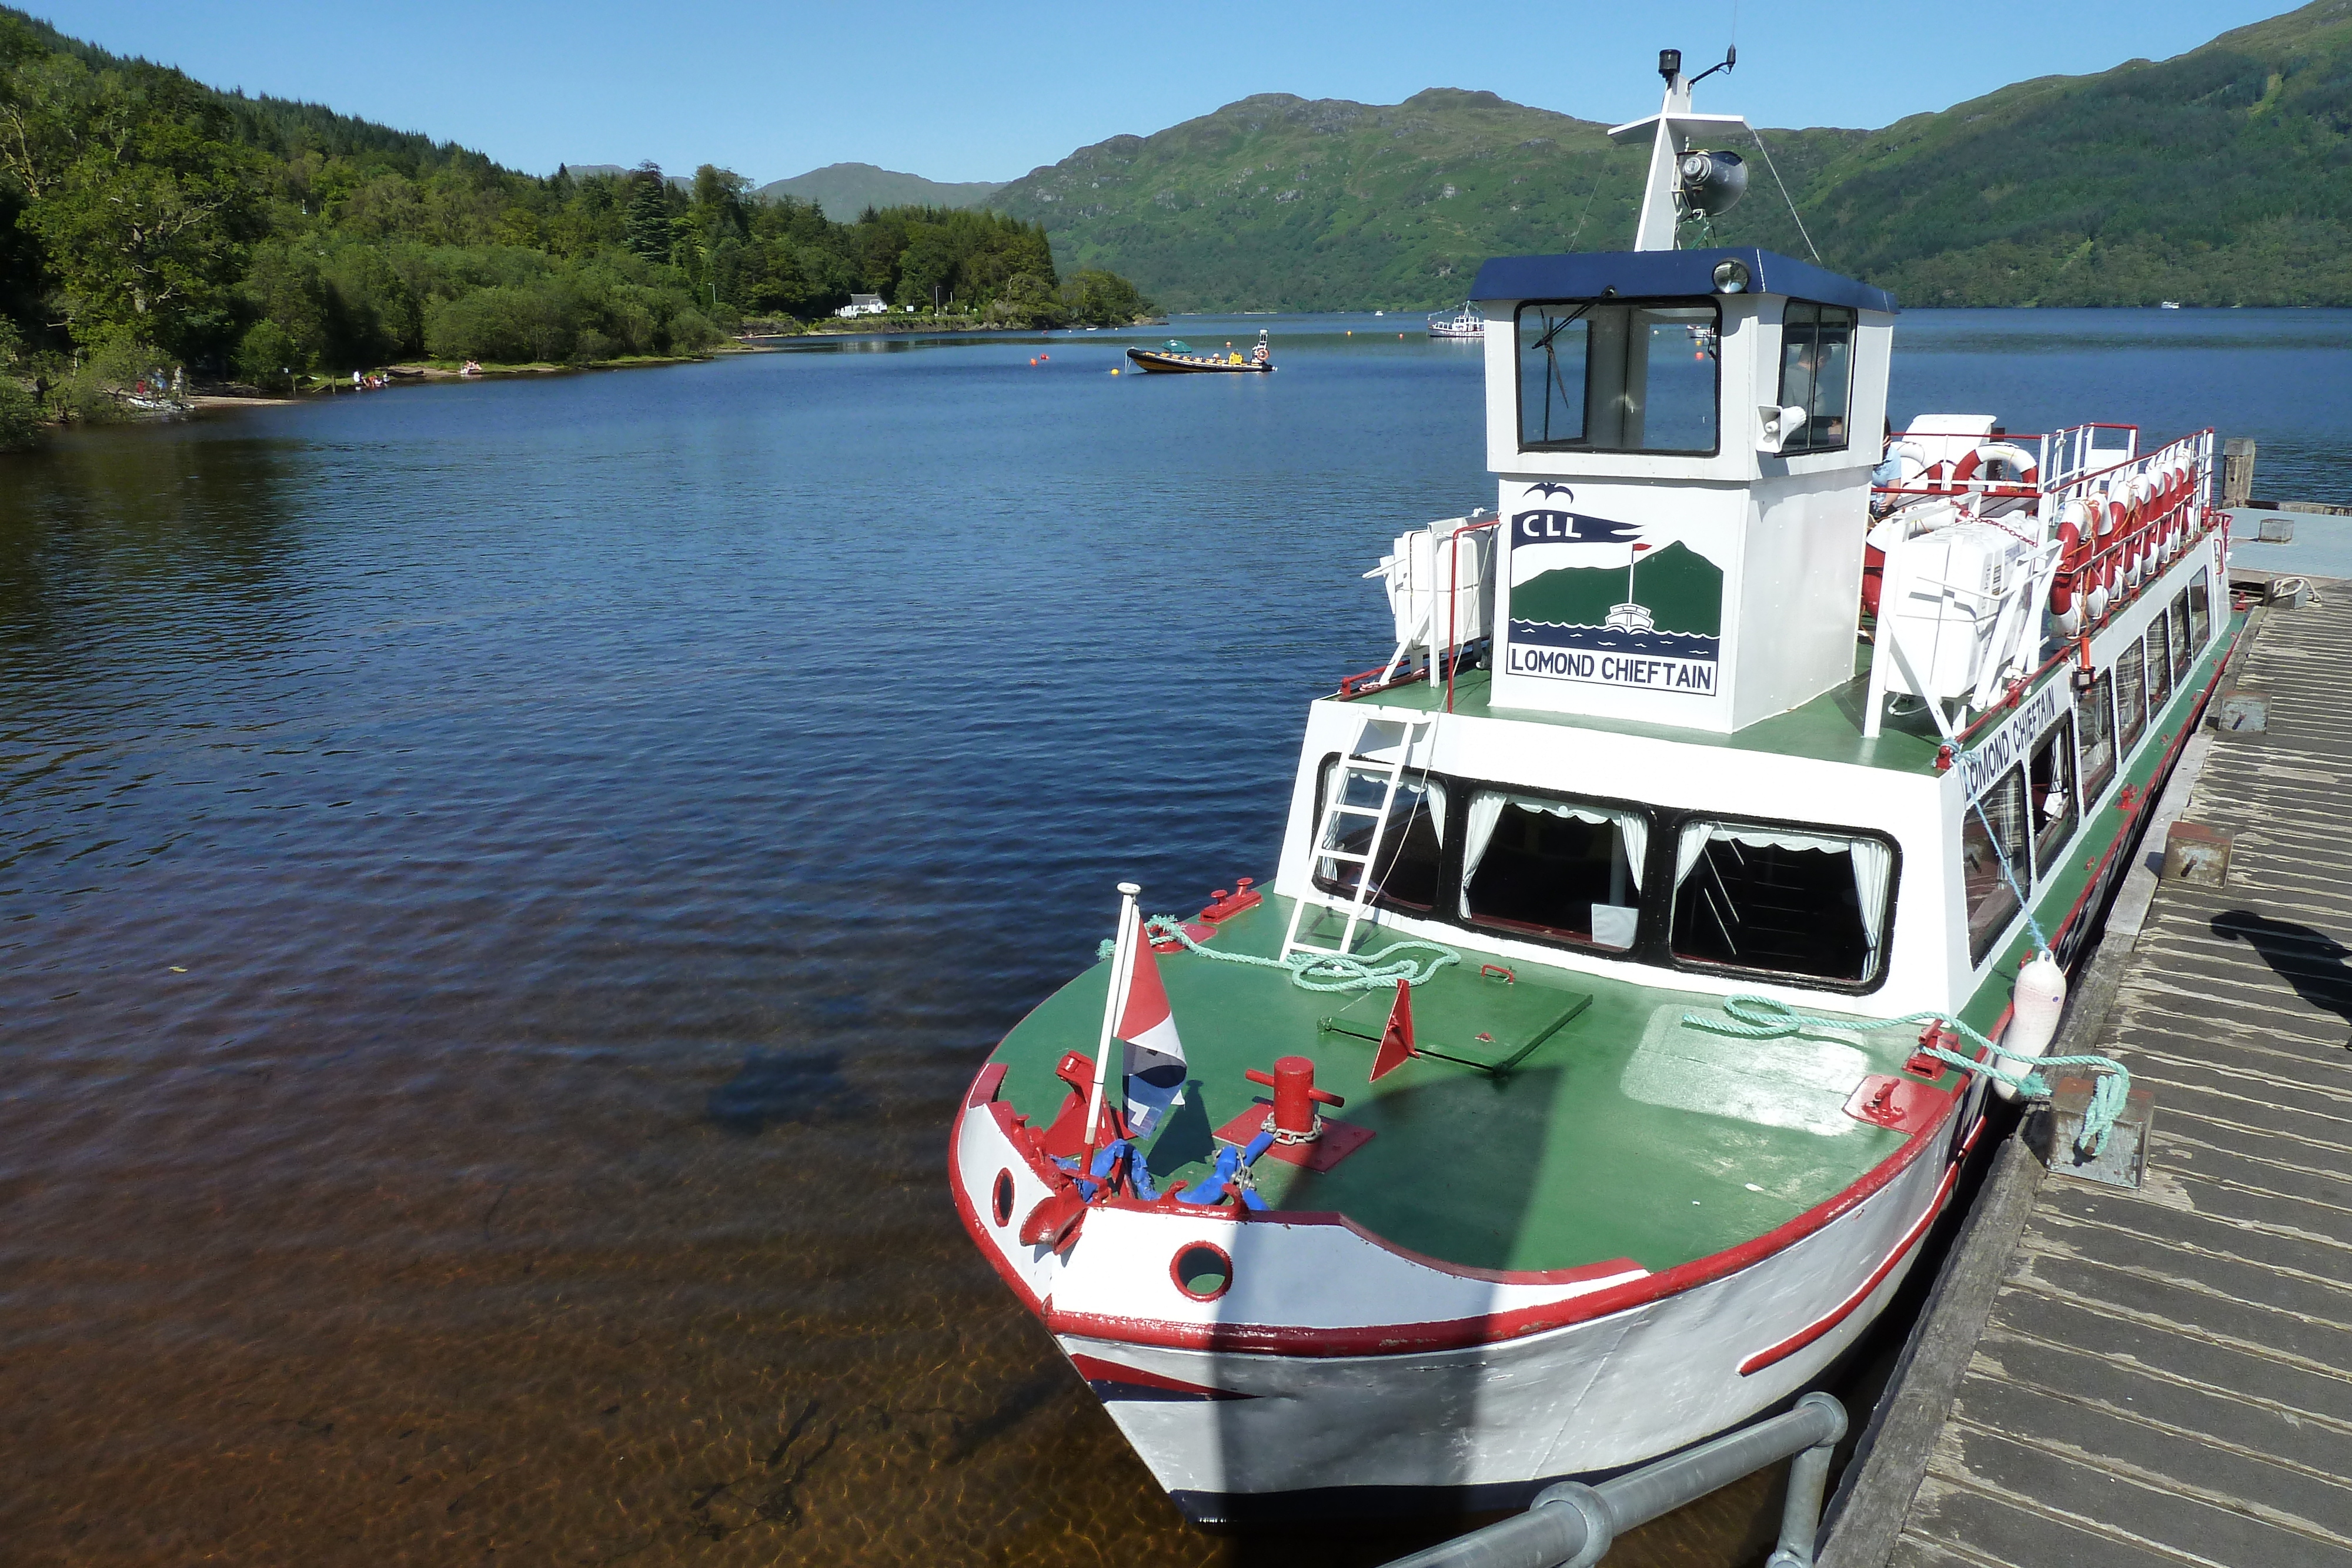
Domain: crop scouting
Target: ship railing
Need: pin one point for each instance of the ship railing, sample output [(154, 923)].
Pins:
[(1572, 1525)]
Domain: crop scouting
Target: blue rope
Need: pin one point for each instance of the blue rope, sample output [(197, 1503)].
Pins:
[(1762, 1017), (1317, 971)]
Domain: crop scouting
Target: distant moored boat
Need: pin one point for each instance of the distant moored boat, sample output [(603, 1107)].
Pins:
[(1466, 322)]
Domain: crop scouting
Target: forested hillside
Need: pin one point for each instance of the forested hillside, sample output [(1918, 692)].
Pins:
[(147, 220), (2216, 178), (1283, 202)]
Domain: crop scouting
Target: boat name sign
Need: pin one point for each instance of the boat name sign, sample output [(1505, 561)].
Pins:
[(1605, 602), (2006, 746)]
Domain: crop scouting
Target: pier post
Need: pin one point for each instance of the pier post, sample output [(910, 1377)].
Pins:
[(2237, 471)]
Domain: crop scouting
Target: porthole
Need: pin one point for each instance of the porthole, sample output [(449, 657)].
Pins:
[(1202, 1272), (1000, 1200)]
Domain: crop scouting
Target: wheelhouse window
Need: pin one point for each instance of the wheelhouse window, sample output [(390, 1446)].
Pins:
[(1817, 373), (1566, 870), (2184, 653), (2159, 666), (2050, 793), (2094, 733), (1405, 868), (1781, 900), (1992, 826), (2131, 696), (1616, 376), (2200, 613)]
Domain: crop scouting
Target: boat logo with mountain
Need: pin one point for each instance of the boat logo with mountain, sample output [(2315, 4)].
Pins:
[(1596, 600)]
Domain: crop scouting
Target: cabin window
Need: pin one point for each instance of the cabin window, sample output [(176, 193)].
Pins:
[(1404, 872), (2159, 666), (1992, 826), (1781, 900), (1609, 376), (2131, 696), (2050, 797), (2201, 614), (2095, 732), (1553, 868), (2184, 653), (1817, 373)]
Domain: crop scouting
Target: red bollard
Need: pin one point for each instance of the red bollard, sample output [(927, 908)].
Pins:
[(1295, 1095)]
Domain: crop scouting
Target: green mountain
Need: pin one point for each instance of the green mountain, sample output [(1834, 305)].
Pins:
[(1283, 202), (2211, 178), (1683, 589), (845, 190)]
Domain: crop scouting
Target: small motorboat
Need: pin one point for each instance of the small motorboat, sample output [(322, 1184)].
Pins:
[(1177, 356)]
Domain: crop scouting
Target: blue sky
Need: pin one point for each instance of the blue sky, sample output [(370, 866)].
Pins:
[(958, 93)]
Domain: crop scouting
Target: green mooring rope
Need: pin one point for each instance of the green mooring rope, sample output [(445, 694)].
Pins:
[(1762, 1017), (1317, 971)]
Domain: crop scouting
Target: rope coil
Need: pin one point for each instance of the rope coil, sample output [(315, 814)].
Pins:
[(1764, 1018), (1317, 971)]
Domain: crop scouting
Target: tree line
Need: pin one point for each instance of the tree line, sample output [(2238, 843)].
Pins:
[(148, 220)]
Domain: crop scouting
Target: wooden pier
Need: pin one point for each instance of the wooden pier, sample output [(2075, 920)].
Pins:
[(2110, 1378)]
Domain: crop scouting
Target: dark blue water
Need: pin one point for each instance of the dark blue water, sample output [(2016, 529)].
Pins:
[(504, 882), (2282, 377)]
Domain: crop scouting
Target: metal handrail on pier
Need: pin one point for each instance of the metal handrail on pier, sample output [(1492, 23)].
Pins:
[(1572, 1525)]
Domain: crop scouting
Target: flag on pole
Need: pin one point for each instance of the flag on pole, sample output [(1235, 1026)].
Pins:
[(1155, 1056)]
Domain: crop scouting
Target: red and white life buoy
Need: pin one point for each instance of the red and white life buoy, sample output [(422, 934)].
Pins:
[(2074, 528), (2016, 456)]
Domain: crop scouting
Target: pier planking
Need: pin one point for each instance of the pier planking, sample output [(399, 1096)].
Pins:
[(2164, 1375)]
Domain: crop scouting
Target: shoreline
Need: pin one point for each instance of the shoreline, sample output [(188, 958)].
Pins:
[(223, 397), (863, 326)]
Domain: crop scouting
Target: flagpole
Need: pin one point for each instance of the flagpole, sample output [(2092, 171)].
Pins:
[(1122, 971)]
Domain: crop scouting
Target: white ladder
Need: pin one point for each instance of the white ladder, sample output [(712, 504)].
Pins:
[(1357, 906)]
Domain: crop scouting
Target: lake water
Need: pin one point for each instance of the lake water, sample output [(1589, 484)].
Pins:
[(504, 882)]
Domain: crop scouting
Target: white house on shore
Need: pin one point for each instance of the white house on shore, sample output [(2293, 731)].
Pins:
[(863, 305)]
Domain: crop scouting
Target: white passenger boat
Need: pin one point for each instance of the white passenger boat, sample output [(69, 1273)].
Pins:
[(1466, 322), (1639, 926)]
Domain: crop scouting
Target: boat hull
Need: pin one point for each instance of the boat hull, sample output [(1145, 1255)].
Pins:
[(1339, 1372)]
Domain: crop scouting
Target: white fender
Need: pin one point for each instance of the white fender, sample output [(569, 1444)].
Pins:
[(2034, 1008)]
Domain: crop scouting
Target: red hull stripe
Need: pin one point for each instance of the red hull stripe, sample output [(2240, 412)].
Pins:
[(1093, 1369), (1393, 1338), (1845, 1309), (1396, 1338)]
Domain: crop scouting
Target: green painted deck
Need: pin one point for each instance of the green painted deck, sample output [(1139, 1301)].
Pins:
[(1621, 1134)]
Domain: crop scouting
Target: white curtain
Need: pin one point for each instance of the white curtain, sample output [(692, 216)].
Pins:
[(1633, 829), (1486, 809), (1872, 862), (1432, 795), (1692, 845)]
